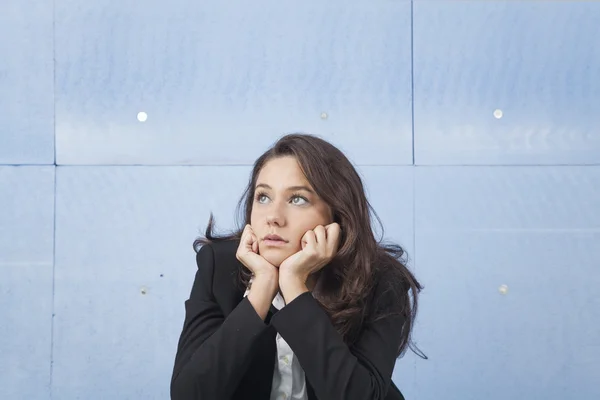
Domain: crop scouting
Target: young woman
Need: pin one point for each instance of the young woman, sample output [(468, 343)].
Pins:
[(302, 302)]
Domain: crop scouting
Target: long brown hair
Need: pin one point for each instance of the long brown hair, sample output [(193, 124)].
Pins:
[(349, 280)]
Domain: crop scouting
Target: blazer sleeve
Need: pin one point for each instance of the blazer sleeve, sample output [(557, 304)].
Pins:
[(333, 370), (213, 352)]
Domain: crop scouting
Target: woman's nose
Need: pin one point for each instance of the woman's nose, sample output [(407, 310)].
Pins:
[(275, 219)]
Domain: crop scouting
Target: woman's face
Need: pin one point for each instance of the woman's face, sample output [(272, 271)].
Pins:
[(285, 205)]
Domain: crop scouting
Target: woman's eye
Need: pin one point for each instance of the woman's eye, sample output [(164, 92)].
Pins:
[(297, 200), (261, 198)]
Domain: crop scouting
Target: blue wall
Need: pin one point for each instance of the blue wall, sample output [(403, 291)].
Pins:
[(474, 124)]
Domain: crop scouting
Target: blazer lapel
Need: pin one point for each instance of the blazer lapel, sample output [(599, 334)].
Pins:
[(310, 391), (258, 378)]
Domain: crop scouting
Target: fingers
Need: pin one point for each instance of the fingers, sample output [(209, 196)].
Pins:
[(332, 227), (333, 231), (326, 238), (246, 233), (321, 235), (248, 240), (309, 240), (333, 237)]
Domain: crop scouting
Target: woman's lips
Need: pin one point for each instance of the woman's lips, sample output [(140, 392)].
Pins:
[(274, 240), (274, 243)]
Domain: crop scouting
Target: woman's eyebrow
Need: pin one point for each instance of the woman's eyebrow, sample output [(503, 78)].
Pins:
[(290, 189)]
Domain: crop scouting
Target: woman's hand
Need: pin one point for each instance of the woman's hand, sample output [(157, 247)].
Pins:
[(319, 246), (247, 254), (265, 279)]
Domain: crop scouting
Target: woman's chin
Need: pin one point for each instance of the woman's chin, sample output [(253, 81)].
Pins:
[(274, 256), (275, 261)]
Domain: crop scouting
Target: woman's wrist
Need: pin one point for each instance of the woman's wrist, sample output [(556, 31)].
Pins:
[(292, 286), (263, 289)]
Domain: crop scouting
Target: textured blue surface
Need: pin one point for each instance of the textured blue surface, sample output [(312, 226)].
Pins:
[(26, 253), (535, 230), (536, 61), (26, 82), (118, 231), (92, 305), (219, 83)]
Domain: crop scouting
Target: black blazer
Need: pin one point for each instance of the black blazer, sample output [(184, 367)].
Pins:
[(226, 351)]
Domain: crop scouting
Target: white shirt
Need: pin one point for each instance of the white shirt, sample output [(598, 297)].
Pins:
[(289, 382)]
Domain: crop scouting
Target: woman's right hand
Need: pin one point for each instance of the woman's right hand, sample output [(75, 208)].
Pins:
[(247, 254), (265, 279)]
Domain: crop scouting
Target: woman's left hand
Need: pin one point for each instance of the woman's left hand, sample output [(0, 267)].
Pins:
[(319, 246)]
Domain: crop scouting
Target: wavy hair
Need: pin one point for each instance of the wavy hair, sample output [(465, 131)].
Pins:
[(347, 289)]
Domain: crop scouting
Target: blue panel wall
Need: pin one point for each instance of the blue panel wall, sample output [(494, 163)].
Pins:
[(26, 264), (509, 256), (26, 82), (506, 82), (123, 252), (219, 83), (473, 125)]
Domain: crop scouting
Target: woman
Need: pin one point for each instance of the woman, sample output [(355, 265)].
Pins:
[(302, 302)]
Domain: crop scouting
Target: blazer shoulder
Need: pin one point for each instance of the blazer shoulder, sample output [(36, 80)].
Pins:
[(391, 273), (224, 266), (224, 252), (390, 288)]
